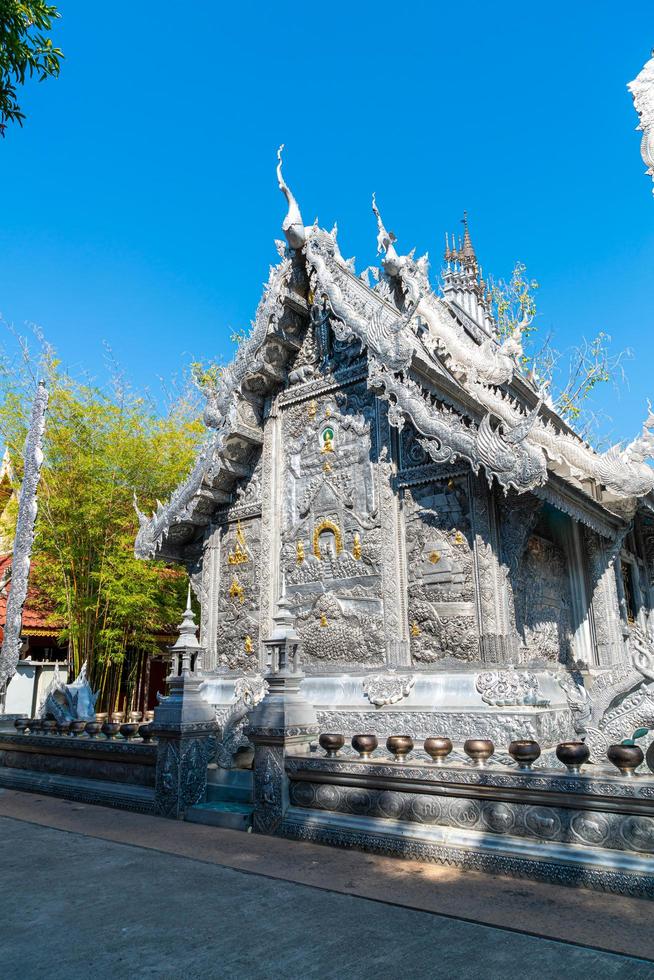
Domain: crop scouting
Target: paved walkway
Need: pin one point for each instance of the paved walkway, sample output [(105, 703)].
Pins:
[(76, 904)]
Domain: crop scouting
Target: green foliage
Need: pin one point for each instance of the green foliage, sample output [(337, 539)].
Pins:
[(25, 52), (207, 378), (589, 365), (101, 448), (514, 303)]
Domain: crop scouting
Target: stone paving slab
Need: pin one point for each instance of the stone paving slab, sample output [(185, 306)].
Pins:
[(74, 906), (610, 922)]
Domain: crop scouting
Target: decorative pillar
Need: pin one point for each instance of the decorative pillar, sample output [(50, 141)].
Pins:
[(606, 620), (185, 727), (498, 642), (271, 479), (393, 559), (210, 593), (283, 722)]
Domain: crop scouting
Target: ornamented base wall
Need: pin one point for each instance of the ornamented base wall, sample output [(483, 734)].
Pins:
[(596, 832)]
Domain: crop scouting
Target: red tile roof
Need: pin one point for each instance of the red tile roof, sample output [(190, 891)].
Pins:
[(37, 616)]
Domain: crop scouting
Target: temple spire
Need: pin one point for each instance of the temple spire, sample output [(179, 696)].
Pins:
[(463, 284), (293, 225)]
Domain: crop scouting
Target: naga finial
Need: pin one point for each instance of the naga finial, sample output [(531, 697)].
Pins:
[(292, 226), (385, 239), (642, 91)]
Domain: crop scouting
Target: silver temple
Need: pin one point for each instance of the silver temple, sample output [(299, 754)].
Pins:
[(456, 558)]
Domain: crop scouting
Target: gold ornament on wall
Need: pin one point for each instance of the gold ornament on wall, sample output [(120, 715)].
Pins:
[(238, 555), (327, 526), (299, 552), (323, 619), (236, 590), (312, 409), (434, 557), (415, 629), (356, 547), (328, 441), (459, 538), (248, 646)]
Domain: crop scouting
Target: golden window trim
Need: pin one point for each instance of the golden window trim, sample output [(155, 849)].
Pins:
[(327, 526)]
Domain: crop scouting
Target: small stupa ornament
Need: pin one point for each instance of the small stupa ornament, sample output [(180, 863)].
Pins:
[(248, 645), (356, 547), (186, 648), (299, 552), (415, 629)]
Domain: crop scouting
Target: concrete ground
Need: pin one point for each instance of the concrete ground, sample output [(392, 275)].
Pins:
[(92, 892)]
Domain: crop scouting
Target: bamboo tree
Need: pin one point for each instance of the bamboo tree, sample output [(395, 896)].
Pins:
[(100, 448)]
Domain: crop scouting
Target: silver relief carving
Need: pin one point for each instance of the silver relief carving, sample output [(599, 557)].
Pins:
[(389, 688), (506, 688)]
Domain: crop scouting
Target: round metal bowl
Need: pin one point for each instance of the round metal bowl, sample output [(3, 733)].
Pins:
[(400, 746), (110, 729), (365, 745), (331, 744), (626, 758), (525, 752), (573, 755), (129, 729), (438, 748), (479, 750), (145, 732)]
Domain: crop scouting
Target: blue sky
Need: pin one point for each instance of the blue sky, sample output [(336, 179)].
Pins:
[(139, 203)]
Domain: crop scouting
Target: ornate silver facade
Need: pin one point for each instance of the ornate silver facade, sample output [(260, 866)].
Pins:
[(457, 559)]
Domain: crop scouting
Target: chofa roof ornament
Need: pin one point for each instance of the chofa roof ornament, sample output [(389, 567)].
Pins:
[(642, 90), (292, 226), (391, 262)]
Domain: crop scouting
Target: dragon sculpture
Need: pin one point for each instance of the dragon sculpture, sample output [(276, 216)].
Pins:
[(69, 702), (505, 454), (617, 701), (248, 692), (623, 471)]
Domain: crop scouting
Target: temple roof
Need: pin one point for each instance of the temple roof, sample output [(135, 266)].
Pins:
[(435, 359)]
